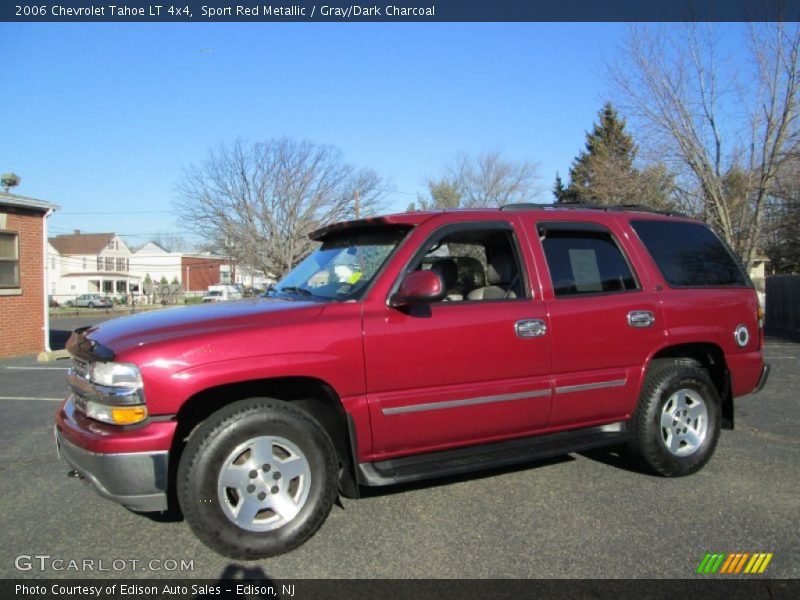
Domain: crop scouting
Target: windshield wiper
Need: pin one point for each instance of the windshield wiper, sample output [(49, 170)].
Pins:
[(293, 289)]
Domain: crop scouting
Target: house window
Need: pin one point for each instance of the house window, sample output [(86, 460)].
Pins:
[(122, 264), (109, 263), (53, 263), (99, 263), (83, 264), (9, 260)]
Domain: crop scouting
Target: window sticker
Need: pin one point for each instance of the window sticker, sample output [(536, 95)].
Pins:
[(585, 270)]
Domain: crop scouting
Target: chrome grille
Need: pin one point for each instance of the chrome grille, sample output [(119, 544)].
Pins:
[(80, 368)]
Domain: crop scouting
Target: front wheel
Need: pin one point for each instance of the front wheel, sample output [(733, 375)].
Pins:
[(676, 425), (257, 479)]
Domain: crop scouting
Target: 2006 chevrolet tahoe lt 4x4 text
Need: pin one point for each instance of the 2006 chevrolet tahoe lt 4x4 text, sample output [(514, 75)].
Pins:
[(414, 346)]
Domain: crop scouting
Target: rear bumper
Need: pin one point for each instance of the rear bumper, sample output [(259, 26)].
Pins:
[(136, 480), (762, 381)]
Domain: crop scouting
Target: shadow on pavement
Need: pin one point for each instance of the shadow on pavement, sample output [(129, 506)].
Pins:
[(618, 457)]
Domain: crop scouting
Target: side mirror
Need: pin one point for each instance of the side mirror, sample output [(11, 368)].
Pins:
[(418, 287)]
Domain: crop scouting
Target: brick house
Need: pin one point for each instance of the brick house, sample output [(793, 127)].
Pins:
[(24, 323), (194, 271)]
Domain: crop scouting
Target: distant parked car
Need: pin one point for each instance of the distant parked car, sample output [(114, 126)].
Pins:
[(214, 296), (220, 293), (91, 300)]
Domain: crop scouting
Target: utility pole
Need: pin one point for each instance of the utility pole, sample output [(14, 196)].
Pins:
[(358, 208)]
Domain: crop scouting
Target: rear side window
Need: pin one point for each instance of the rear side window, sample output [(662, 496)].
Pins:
[(585, 262), (690, 254)]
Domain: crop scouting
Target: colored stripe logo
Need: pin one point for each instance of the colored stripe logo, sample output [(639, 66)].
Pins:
[(734, 563)]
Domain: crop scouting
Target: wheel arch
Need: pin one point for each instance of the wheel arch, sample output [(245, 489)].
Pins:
[(313, 395), (712, 358)]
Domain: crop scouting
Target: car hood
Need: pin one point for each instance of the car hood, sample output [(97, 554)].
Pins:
[(119, 336)]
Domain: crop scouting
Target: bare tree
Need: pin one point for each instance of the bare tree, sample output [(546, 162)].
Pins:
[(171, 242), (782, 221), (725, 128), (258, 202), (487, 179)]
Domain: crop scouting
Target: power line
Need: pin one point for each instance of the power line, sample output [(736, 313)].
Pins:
[(125, 212), (68, 230), (155, 212), (200, 262)]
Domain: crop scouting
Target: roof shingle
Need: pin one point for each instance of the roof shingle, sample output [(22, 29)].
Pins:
[(81, 243)]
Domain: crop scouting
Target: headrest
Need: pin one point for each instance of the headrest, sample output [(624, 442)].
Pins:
[(447, 270), (501, 269)]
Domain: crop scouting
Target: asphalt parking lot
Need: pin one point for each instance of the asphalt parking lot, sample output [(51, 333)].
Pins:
[(591, 515)]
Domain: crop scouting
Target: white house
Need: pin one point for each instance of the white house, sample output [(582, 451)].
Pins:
[(153, 260), (83, 263), (252, 277)]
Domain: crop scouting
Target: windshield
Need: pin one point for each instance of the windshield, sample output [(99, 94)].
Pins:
[(342, 268)]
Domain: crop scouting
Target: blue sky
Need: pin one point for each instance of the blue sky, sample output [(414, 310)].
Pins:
[(100, 118)]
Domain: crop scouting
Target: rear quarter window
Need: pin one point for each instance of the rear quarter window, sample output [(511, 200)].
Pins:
[(690, 254)]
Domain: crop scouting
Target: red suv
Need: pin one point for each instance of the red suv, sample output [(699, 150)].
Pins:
[(414, 346)]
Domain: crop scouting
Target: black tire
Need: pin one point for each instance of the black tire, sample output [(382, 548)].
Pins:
[(663, 435), (91, 304), (210, 448)]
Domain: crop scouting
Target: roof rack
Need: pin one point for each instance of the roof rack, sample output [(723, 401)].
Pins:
[(588, 206)]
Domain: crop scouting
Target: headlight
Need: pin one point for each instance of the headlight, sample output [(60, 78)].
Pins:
[(116, 415), (112, 374), (109, 392)]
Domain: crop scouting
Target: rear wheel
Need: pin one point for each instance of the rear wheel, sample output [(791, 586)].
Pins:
[(257, 479), (676, 425)]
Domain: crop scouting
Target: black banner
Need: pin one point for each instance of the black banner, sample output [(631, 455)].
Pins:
[(252, 588), (399, 10)]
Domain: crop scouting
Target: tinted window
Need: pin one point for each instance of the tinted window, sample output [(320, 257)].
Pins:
[(689, 254), (585, 262)]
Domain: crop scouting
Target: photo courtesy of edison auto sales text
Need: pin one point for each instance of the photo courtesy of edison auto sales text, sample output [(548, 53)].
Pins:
[(168, 589)]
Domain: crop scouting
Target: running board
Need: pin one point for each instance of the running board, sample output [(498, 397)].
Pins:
[(497, 454)]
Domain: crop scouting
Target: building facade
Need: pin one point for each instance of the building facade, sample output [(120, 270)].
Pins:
[(89, 263), (193, 271), (23, 303)]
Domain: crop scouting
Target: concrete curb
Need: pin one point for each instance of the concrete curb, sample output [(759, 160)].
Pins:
[(52, 356)]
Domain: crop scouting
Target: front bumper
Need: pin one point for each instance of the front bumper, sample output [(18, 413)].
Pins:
[(127, 466), (136, 480)]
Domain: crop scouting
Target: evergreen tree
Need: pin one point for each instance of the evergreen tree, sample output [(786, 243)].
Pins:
[(444, 195), (604, 173), (562, 193)]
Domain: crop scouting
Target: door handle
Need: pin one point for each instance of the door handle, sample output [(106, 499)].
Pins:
[(530, 328), (641, 318)]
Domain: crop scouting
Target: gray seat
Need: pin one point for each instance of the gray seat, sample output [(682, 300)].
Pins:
[(501, 276), (447, 269), (470, 274)]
